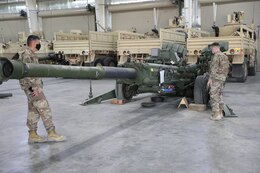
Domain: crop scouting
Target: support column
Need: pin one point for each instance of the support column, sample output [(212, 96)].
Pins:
[(40, 24), (258, 47), (32, 16), (188, 13), (108, 19), (196, 18), (100, 15)]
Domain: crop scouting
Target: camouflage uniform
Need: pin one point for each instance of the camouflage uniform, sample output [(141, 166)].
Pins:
[(38, 106), (219, 69)]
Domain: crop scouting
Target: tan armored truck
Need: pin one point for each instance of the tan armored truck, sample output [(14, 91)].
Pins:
[(242, 46), (95, 48), (139, 46), (10, 49)]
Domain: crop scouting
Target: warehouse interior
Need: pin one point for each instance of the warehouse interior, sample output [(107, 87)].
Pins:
[(126, 137)]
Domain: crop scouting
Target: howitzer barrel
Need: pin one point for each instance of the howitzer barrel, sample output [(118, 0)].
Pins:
[(17, 70), (45, 58)]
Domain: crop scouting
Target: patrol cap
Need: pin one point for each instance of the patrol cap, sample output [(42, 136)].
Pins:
[(215, 44)]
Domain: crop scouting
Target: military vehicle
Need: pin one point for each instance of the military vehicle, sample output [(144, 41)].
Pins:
[(10, 49), (139, 47), (132, 77), (109, 48), (94, 48), (242, 46)]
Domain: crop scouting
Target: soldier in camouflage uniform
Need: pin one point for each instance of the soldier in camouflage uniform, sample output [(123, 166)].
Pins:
[(38, 106), (219, 69)]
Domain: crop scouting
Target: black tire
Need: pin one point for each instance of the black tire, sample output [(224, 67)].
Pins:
[(108, 61), (157, 99), (98, 62), (252, 70), (244, 73), (189, 92), (125, 91), (148, 104), (4, 95), (201, 95)]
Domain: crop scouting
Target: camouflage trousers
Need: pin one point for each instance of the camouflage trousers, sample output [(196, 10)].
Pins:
[(38, 107), (216, 95)]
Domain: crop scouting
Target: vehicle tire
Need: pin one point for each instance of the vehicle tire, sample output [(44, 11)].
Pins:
[(148, 104), (98, 62), (201, 95), (244, 72), (252, 70), (108, 61)]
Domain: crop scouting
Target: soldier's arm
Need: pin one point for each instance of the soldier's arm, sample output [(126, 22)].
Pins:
[(214, 67), (26, 58), (28, 81)]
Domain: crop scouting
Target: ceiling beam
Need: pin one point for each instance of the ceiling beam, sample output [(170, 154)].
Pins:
[(140, 6), (209, 2)]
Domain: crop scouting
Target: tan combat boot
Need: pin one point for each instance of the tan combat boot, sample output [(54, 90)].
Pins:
[(34, 137), (215, 116), (53, 136)]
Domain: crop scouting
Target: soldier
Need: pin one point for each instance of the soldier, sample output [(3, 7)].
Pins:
[(38, 106), (219, 69)]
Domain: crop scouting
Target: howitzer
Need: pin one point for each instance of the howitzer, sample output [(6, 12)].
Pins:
[(132, 78), (12, 69), (177, 79)]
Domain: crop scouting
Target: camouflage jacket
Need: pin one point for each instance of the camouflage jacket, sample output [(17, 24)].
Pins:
[(219, 67), (26, 55)]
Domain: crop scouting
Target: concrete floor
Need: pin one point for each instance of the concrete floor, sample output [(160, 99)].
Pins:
[(108, 138)]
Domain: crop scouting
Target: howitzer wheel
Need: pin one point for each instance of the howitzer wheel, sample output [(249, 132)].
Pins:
[(157, 99), (125, 91), (148, 104), (201, 95)]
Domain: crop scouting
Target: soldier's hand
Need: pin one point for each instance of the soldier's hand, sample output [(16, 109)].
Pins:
[(209, 83), (35, 93)]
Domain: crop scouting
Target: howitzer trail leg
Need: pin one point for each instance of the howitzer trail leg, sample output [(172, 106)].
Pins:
[(228, 112), (100, 98)]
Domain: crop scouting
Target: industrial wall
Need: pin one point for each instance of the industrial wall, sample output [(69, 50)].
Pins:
[(65, 24), (9, 29), (143, 21)]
